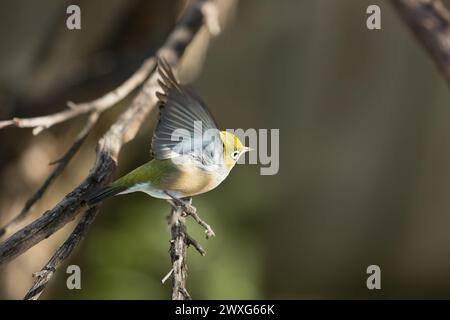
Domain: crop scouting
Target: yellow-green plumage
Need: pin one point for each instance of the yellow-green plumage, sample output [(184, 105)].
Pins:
[(158, 172), (176, 172), (165, 175)]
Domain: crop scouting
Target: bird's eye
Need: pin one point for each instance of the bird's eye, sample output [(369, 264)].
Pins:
[(235, 155)]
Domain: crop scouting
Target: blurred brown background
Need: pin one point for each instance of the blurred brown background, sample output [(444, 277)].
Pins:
[(364, 176)]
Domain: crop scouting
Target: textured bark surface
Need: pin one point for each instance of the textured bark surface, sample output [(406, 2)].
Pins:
[(429, 20)]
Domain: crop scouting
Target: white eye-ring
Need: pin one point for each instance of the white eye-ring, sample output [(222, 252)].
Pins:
[(235, 155)]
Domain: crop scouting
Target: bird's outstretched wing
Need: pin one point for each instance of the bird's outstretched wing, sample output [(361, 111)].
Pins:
[(185, 126)]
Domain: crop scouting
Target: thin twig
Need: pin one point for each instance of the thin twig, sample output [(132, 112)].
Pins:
[(192, 242), (429, 20), (43, 277), (76, 109), (167, 276), (209, 232), (60, 166)]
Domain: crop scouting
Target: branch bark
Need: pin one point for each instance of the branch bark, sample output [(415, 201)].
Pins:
[(98, 105), (178, 255), (43, 277), (429, 20), (179, 243), (60, 166)]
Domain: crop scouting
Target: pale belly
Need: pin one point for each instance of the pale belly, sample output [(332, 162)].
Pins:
[(185, 183)]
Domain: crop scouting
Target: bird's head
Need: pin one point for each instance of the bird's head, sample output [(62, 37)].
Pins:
[(233, 149)]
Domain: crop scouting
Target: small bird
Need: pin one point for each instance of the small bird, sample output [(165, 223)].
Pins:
[(190, 154)]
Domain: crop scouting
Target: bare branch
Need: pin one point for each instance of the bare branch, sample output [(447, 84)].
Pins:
[(192, 242), (211, 13), (179, 243), (178, 255), (429, 20), (98, 105), (60, 166), (43, 277), (108, 147)]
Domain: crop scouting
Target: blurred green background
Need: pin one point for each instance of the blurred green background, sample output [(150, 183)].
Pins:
[(364, 122)]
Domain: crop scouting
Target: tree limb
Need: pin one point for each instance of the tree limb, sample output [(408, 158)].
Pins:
[(43, 277), (429, 20), (179, 243), (178, 255), (60, 166), (98, 105)]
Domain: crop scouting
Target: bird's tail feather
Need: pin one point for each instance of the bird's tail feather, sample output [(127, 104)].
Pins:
[(103, 194)]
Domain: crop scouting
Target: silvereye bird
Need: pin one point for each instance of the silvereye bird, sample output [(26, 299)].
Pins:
[(190, 155)]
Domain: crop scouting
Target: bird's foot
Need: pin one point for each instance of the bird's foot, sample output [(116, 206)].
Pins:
[(185, 204), (189, 209)]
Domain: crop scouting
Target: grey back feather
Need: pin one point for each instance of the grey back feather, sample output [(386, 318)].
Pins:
[(185, 126)]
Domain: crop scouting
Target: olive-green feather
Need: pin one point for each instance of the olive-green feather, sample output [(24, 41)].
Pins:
[(102, 194), (157, 172)]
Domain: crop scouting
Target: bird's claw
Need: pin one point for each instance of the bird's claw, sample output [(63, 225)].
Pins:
[(188, 208), (209, 232)]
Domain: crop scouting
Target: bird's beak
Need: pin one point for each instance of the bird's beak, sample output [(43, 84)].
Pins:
[(248, 149)]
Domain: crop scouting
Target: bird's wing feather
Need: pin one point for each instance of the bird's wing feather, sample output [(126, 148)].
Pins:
[(185, 126)]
